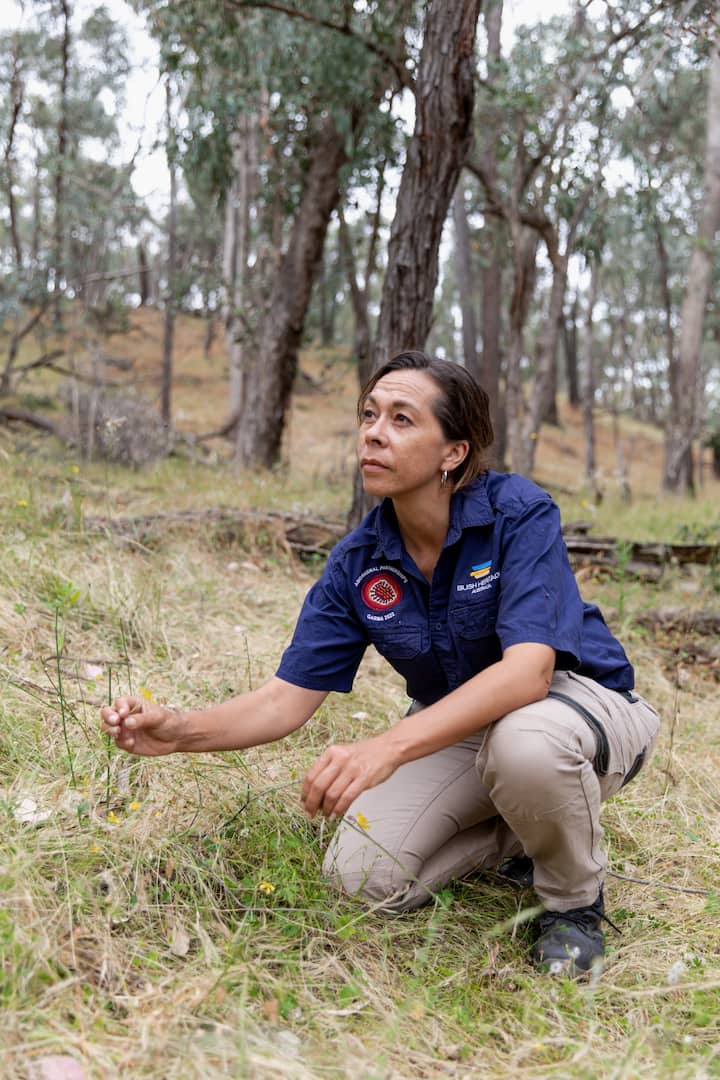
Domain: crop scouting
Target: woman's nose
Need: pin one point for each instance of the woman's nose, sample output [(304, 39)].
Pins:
[(375, 432)]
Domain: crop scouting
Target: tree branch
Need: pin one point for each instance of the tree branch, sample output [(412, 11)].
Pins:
[(403, 76)]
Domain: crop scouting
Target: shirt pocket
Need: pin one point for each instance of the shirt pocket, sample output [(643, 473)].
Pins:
[(398, 643), (473, 621)]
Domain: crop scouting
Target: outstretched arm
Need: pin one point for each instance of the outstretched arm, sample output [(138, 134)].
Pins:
[(263, 715)]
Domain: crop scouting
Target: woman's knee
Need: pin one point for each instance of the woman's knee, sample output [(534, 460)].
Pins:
[(522, 755), (360, 869)]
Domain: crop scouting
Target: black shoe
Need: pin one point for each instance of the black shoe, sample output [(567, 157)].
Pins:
[(570, 942), (518, 870)]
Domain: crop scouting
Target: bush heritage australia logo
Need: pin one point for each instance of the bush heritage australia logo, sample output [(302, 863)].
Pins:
[(381, 592)]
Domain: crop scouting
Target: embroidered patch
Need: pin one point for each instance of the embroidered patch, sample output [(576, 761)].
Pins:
[(482, 569), (381, 591)]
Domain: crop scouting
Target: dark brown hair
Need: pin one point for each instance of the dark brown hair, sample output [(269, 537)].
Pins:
[(462, 407)]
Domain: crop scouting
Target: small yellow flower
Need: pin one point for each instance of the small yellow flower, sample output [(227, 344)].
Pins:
[(134, 805), (95, 848), (21, 502), (112, 817), (75, 469), (362, 820), (266, 887), (146, 693)]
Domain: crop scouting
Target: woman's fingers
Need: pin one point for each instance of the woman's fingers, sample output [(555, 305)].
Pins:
[(323, 773)]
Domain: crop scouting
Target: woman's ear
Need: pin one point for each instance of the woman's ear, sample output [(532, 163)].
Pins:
[(456, 455)]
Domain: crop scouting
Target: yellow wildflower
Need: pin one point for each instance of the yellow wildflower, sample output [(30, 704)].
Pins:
[(266, 887), (134, 805), (146, 693), (112, 817), (362, 820), (75, 469), (95, 848), (21, 502)]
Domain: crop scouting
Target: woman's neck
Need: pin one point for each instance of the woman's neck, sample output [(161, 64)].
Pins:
[(423, 526)]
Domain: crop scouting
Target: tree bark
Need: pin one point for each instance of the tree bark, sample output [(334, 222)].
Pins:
[(62, 139), (170, 288), (682, 428), (437, 150), (143, 274), (588, 392), (466, 283), (236, 249), (16, 103), (570, 340), (362, 345), (271, 371), (525, 244), (495, 249)]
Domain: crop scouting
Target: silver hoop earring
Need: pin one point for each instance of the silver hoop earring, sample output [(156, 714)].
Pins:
[(443, 478)]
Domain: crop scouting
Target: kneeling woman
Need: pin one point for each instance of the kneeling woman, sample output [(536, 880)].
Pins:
[(524, 717)]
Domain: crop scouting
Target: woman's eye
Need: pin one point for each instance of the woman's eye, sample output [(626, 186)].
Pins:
[(368, 414), (401, 418)]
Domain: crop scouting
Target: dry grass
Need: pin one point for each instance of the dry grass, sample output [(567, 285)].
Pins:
[(167, 918)]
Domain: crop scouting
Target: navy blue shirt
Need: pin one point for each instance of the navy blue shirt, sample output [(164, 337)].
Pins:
[(503, 578)]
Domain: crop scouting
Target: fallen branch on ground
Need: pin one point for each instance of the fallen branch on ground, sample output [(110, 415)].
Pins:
[(305, 535)]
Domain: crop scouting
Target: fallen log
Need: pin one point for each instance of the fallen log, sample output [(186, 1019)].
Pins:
[(608, 549), (305, 535), (680, 619), (315, 536)]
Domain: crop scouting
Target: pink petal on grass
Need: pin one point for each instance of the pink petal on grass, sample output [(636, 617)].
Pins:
[(56, 1067)]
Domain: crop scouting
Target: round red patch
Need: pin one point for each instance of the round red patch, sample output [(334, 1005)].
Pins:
[(381, 592)]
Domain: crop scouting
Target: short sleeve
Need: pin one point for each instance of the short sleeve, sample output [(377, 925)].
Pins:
[(539, 598), (329, 640)]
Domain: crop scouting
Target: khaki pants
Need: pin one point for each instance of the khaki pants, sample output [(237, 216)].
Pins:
[(528, 783)]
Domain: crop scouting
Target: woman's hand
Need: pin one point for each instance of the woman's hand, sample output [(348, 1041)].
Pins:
[(142, 727), (343, 772)]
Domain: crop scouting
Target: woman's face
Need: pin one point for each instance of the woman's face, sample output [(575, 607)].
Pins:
[(401, 447)]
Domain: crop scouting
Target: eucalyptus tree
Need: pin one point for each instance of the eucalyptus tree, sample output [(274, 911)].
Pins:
[(554, 104), (442, 134), (279, 100), (68, 205), (682, 428)]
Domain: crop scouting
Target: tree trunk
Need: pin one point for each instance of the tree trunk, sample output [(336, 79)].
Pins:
[(466, 284), (589, 384), (170, 298), (495, 249), (525, 244), (236, 248), (16, 103), (444, 101), (359, 299), (678, 474), (271, 371), (543, 405), (570, 340), (62, 138), (143, 274)]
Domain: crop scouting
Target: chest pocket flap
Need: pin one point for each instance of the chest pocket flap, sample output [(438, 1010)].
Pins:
[(398, 643), (474, 620)]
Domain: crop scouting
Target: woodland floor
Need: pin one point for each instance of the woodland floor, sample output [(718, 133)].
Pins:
[(168, 918)]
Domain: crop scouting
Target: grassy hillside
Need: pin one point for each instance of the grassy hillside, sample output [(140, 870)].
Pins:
[(167, 918)]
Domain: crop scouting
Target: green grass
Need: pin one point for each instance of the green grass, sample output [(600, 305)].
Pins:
[(168, 918)]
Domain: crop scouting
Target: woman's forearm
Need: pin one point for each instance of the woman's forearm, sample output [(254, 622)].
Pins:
[(521, 677), (260, 716)]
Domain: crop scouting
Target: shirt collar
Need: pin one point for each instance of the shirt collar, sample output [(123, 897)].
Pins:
[(468, 507)]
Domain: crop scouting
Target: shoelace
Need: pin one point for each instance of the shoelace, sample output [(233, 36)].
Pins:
[(585, 918)]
